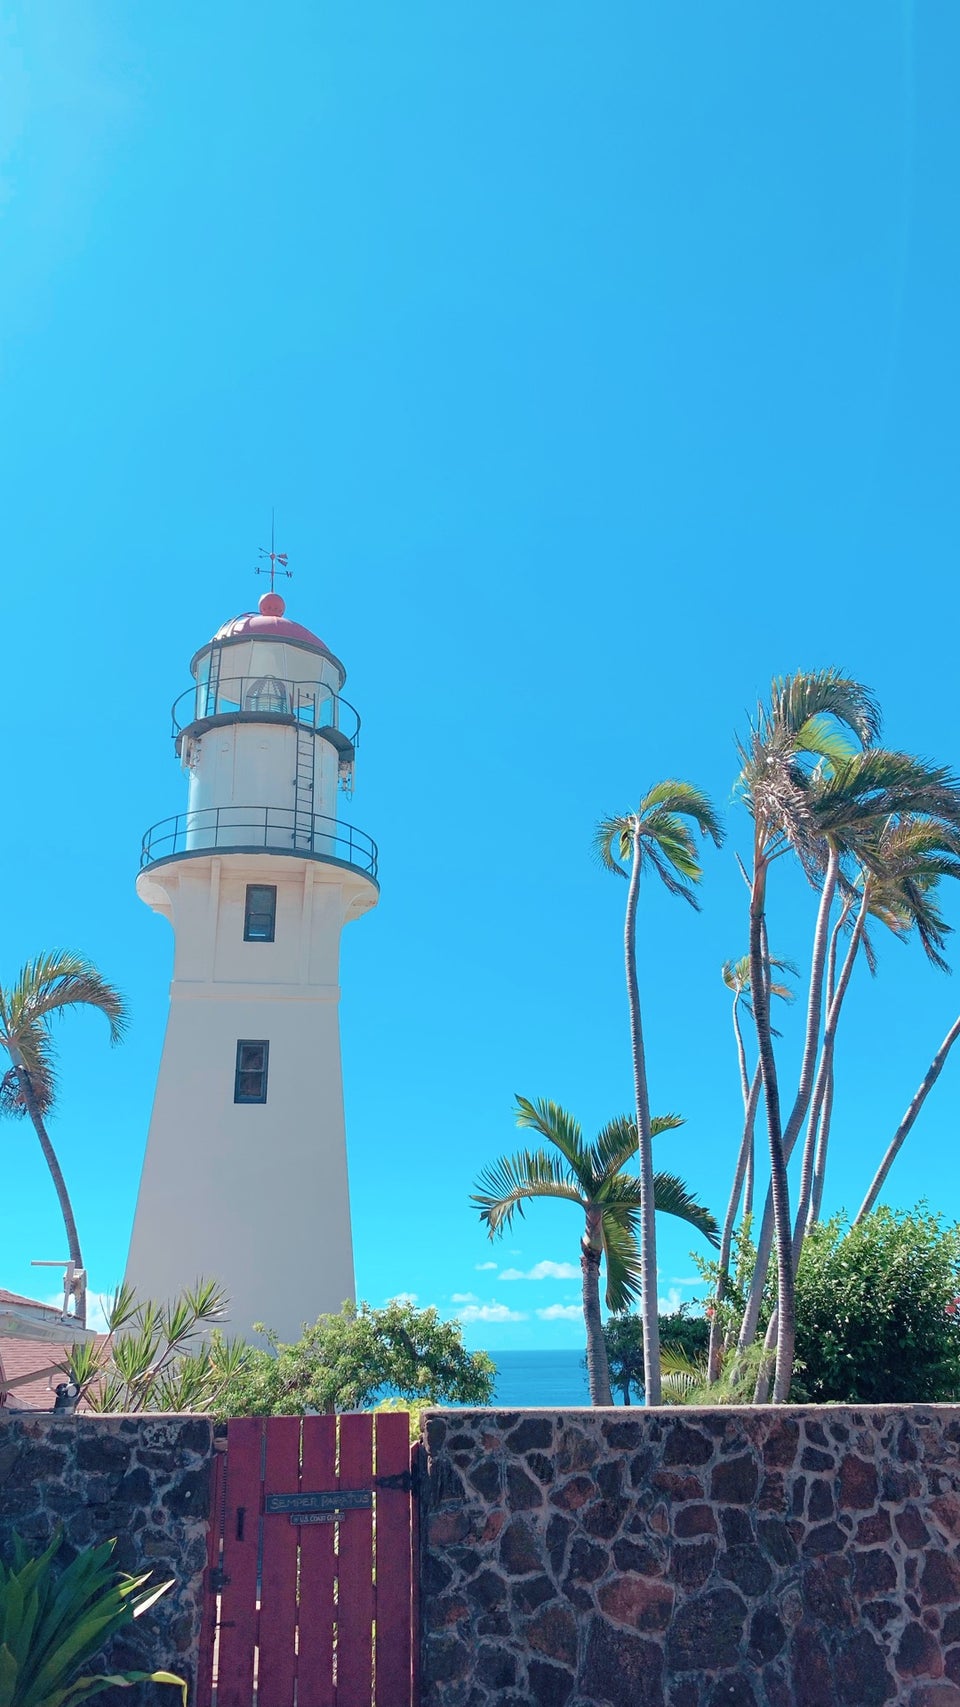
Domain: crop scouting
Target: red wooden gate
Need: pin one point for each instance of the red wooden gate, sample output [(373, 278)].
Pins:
[(310, 1565)]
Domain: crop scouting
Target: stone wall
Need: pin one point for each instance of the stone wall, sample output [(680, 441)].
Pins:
[(692, 1558), (144, 1480)]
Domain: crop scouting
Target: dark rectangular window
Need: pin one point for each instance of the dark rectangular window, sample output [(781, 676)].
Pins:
[(260, 912), (250, 1083)]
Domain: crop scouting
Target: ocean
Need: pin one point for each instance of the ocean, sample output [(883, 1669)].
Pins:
[(540, 1379)]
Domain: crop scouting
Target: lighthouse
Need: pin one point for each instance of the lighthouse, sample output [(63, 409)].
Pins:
[(245, 1175)]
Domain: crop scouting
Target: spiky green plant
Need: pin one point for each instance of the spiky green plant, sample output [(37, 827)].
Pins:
[(53, 1624), (155, 1357)]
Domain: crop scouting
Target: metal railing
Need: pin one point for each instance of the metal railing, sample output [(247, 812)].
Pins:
[(308, 703), (272, 829)]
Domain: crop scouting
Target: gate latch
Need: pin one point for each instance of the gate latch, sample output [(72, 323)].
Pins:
[(217, 1579), (402, 1482)]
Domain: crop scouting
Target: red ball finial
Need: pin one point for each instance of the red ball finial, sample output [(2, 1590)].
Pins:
[(271, 605)]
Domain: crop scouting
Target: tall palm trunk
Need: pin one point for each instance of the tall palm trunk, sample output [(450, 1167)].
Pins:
[(826, 1113), (824, 1072), (820, 1165), (818, 961), (32, 1106), (779, 1190), (648, 1226), (598, 1369), (726, 1236), (923, 1090), (791, 1132), (825, 1076)]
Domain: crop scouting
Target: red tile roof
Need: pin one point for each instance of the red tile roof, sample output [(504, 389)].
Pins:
[(23, 1303), (30, 1357)]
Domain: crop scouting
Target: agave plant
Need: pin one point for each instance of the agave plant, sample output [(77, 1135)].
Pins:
[(52, 1624)]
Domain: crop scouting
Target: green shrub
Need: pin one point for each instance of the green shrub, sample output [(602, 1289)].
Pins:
[(346, 1361), (623, 1336), (876, 1311)]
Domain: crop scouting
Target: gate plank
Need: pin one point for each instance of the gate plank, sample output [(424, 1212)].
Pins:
[(355, 1602), (241, 1534), (277, 1670), (208, 1629), (416, 1474), (318, 1611), (393, 1564)]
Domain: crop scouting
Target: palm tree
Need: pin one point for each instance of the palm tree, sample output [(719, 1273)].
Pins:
[(47, 987), (658, 837), (593, 1177), (896, 816), (813, 722), (901, 867)]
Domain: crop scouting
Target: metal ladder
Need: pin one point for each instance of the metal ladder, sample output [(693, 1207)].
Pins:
[(303, 781), (213, 683)]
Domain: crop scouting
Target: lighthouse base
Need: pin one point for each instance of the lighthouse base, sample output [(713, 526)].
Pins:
[(245, 1176)]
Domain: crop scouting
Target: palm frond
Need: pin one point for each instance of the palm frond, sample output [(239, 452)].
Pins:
[(54, 981), (34, 1046), (616, 1144), (670, 1197), (502, 1188), (797, 700), (559, 1128), (736, 976), (676, 797), (614, 834), (622, 1252)]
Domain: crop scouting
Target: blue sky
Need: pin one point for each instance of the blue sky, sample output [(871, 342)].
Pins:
[(600, 362)]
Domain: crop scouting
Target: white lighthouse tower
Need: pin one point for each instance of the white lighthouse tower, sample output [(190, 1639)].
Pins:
[(245, 1175)]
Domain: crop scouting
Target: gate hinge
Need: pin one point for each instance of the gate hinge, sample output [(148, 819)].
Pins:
[(217, 1579), (402, 1482)]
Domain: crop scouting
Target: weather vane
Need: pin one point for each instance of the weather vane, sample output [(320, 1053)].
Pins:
[(277, 559)]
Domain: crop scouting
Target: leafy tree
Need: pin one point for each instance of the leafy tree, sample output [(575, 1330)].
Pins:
[(656, 837), (592, 1176), (344, 1362), (45, 989), (877, 1319), (623, 1336), (877, 1316)]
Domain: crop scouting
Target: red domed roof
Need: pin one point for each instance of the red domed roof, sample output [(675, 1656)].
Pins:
[(269, 623)]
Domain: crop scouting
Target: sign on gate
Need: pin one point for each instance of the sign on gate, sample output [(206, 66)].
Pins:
[(346, 1499), (317, 1611)]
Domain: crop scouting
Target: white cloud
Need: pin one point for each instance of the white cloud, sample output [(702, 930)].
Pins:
[(482, 1266), (543, 1271), (677, 1280), (98, 1303), (668, 1306), (561, 1313), (403, 1298), (463, 1298), (491, 1313)]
